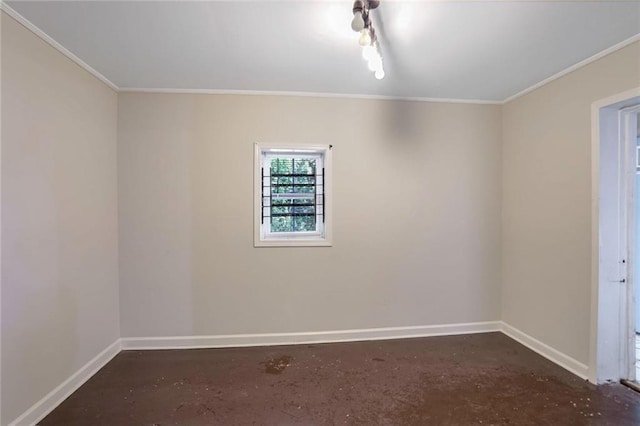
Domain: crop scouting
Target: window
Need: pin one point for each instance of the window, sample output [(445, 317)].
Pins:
[(292, 192)]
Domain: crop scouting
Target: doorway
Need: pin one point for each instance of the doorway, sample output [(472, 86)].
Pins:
[(636, 248), (615, 236)]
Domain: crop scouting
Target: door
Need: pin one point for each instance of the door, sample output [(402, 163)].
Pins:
[(613, 268)]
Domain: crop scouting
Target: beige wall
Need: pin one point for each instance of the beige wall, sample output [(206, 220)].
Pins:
[(59, 218), (546, 229), (435, 205), (416, 216)]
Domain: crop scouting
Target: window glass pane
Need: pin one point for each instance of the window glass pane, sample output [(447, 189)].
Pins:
[(293, 188), (281, 224), (305, 223)]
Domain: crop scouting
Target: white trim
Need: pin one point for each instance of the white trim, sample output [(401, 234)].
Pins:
[(552, 354), (54, 398), (614, 99), (628, 143), (305, 94), (602, 360), (0, 230), (261, 238), (45, 37), (47, 404), (276, 339), (574, 67)]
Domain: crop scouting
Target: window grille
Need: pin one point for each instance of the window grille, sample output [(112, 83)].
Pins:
[(291, 195)]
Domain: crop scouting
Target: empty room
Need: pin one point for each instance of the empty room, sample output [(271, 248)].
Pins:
[(320, 212)]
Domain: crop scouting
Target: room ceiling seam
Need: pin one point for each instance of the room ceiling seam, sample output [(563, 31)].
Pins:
[(574, 67), (304, 94), (53, 43)]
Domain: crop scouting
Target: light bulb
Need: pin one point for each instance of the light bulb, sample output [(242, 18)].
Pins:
[(365, 38), (368, 52), (358, 23), (379, 74), (375, 63)]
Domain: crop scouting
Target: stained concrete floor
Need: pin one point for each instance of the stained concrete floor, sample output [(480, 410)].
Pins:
[(454, 380)]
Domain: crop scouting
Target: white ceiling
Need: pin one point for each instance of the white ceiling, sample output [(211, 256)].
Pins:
[(431, 49)]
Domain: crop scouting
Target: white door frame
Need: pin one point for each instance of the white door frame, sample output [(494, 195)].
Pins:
[(612, 213), (628, 119)]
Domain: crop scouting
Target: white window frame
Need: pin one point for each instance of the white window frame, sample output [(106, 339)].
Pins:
[(262, 235)]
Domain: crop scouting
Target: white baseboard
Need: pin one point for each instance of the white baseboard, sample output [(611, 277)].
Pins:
[(54, 398), (43, 407), (275, 339), (554, 355)]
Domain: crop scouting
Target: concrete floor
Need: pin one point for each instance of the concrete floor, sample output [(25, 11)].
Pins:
[(454, 380)]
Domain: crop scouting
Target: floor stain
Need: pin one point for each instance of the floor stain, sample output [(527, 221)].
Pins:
[(479, 379), (277, 365), (378, 359)]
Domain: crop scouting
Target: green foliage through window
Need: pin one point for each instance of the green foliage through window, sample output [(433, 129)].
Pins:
[(293, 194)]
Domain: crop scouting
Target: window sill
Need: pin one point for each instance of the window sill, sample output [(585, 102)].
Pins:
[(293, 243)]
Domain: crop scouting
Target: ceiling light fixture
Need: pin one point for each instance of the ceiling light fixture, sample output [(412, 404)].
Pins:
[(365, 38), (368, 40), (358, 20)]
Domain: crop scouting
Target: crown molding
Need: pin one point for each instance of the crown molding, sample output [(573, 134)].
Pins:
[(303, 94), (45, 37), (574, 67)]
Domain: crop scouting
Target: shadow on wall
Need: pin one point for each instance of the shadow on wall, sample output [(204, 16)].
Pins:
[(406, 128), (403, 121)]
